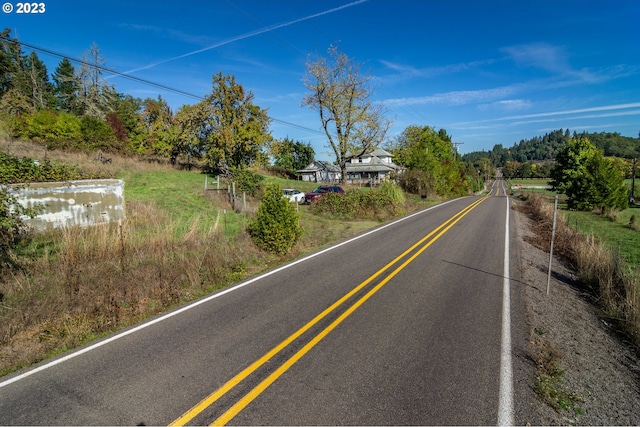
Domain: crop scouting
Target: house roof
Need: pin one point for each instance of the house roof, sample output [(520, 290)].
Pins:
[(370, 167), (378, 152), (374, 166), (318, 165)]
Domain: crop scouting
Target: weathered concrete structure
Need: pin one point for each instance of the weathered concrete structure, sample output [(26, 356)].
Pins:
[(73, 203)]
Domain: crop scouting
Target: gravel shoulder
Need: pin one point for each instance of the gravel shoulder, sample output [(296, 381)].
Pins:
[(601, 370)]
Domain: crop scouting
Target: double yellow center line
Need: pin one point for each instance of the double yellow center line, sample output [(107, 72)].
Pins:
[(256, 391)]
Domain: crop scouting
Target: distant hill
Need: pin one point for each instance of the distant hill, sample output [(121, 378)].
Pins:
[(546, 147)]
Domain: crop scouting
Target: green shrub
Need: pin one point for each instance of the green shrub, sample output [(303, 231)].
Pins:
[(41, 125), (276, 227), (12, 227), (380, 204), (67, 130), (247, 181), (14, 170), (55, 129), (393, 191), (416, 181), (97, 135)]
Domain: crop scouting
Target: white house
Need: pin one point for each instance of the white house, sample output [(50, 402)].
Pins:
[(371, 168)]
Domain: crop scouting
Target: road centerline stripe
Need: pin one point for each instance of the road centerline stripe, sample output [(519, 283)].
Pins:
[(217, 394), (264, 384)]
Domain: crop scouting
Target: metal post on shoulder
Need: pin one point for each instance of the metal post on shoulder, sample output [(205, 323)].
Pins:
[(553, 235)]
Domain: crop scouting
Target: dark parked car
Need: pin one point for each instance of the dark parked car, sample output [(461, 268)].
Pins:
[(322, 191)]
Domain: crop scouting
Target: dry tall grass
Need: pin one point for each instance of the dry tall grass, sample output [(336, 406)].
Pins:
[(605, 272), (88, 281), (95, 162)]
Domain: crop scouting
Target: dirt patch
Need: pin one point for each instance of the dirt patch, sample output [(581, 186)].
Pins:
[(596, 372)]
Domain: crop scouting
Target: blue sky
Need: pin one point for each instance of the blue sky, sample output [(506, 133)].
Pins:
[(489, 72)]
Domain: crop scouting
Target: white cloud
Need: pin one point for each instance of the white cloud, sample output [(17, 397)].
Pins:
[(406, 72), (606, 111), (456, 97), (249, 34), (507, 105), (577, 111), (539, 55)]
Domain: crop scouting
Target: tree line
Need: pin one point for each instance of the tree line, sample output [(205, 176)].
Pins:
[(77, 108), (541, 150)]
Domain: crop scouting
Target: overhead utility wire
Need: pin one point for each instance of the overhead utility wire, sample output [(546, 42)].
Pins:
[(108, 70), (139, 80)]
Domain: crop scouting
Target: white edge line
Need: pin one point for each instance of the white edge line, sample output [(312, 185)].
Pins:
[(204, 300), (505, 405)]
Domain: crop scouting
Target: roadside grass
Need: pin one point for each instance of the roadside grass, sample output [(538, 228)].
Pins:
[(530, 181), (548, 384), (614, 231), (617, 230), (610, 277), (604, 254)]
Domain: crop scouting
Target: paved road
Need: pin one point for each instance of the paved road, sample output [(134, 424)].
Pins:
[(418, 322)]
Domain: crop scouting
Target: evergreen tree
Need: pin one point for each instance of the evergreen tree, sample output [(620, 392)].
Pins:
[(66, 86), (14, 89), (10, 54), (276, 227), (37, 87)]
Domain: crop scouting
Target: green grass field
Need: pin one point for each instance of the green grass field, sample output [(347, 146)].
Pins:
[(615, 233), (180, 195)]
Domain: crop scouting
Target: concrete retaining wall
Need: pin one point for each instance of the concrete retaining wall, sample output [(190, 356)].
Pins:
[(73, 203)]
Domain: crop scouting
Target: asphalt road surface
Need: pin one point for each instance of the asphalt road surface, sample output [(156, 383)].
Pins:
[(417, 322)]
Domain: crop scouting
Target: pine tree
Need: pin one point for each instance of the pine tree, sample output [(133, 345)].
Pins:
[(276, 227), (11, 57), (66, 86), (37, 87)]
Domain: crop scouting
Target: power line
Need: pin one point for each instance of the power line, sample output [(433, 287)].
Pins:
[(140, 80), (105, 69)]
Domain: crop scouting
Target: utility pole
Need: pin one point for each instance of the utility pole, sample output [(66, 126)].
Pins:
[(455, 149), (632, 199)]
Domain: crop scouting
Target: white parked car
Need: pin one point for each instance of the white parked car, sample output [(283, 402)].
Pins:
[(293, 195)]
